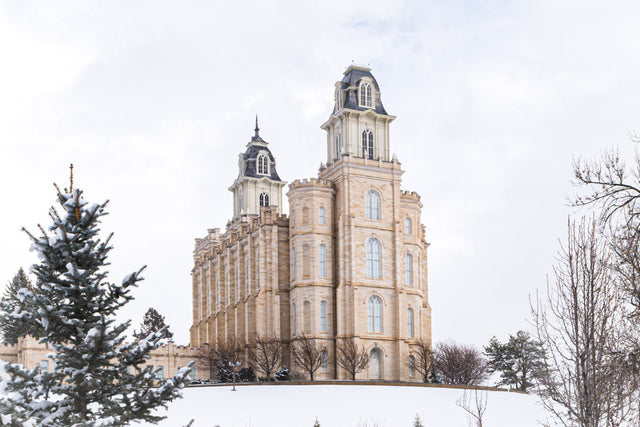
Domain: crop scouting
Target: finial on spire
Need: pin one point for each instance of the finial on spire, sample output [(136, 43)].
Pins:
[(257, 129)]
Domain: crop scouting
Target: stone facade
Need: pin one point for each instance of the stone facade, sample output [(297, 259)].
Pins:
[(349, 262)]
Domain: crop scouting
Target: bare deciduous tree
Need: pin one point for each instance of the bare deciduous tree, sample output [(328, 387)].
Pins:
[(352, 359), (580, 322), (422, 359), (266, 353), (217, 358), (307, 355), (474, 404), (459, 364)]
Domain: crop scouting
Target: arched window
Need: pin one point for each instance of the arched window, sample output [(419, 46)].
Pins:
[(306, 317), (160, 372), (375, 364), (367, 144), (408, 269), (338, 99), (192, 373), (407, 225), (264, 199), (293, 263), (409, 322), (374, 253), (44, 365), (374, 314), (324, 361), (372, 205), (263, 164), (293, 319), (365, 95), (337, 147), (322, 215), (323, 316), (306, 261), (412, 366), (322, 261)]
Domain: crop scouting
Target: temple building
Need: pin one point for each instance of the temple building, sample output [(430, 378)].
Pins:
[(347, 261)]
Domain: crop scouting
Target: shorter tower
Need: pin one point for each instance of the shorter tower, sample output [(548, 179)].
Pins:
[(258, 184)]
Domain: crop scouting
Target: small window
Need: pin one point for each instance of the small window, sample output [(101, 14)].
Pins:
[(409, 322), (44, 366), (408, 269), (160, 372), (367, 144), (372, 205), (306, 261), (322, 261), (374, 314), (323, 316), (407, 225), (324, 361), (192, 374), (374, 253), (263, 164), (412, 366), (337, 146), (322, 217), (339, 101), (293, 263), (365, 95), (264, 199), (293, 218), (294, 327)]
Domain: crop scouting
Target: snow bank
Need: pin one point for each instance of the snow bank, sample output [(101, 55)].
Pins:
[(342, 405)]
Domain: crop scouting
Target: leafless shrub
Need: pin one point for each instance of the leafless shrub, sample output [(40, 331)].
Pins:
[(459, 364)]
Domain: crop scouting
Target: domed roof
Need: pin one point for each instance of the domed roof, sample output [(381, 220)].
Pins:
[(256, 146), (351, 81)]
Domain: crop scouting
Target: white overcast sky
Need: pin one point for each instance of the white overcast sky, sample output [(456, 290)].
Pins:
[(153, 100)]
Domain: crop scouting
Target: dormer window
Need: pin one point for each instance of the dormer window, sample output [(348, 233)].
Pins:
[(365, 95), (262, 164), (367, 144), (339, 101)]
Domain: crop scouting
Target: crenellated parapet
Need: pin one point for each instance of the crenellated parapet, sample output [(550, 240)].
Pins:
[(310, 182)]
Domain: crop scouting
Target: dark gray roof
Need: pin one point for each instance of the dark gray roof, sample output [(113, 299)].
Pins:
[(251, 155), (352, 79)]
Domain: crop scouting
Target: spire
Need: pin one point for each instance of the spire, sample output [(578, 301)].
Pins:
[(256, 137)]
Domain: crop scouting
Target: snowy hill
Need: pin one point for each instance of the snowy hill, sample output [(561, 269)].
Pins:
[(343, 405)]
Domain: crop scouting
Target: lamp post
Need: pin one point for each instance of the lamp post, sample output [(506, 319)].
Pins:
[(233, 366)]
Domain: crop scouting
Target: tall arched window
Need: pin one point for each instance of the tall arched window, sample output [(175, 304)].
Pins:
[(264, 199), (322, 215), (338, 99), (324, 361), (365, 95), (293, 263), (367, 144), (374, 255), (372, 205), (374, 314), (263, 164), (323, 316), (409, 322), (407, 225), (306, 317), (337, 147), (322, 261), (408, 269), (294, 327), (375, 364), (412, 366)]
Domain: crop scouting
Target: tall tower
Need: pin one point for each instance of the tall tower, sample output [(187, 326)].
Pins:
[(380, 251), (258, 183)]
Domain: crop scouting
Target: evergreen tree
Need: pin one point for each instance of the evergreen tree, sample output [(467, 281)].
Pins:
[(152, 322), (519, 360), (10, 331), (417, 421), (96, 379)]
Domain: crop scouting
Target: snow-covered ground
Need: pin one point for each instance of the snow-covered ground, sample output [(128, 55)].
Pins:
[(343, 405)]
